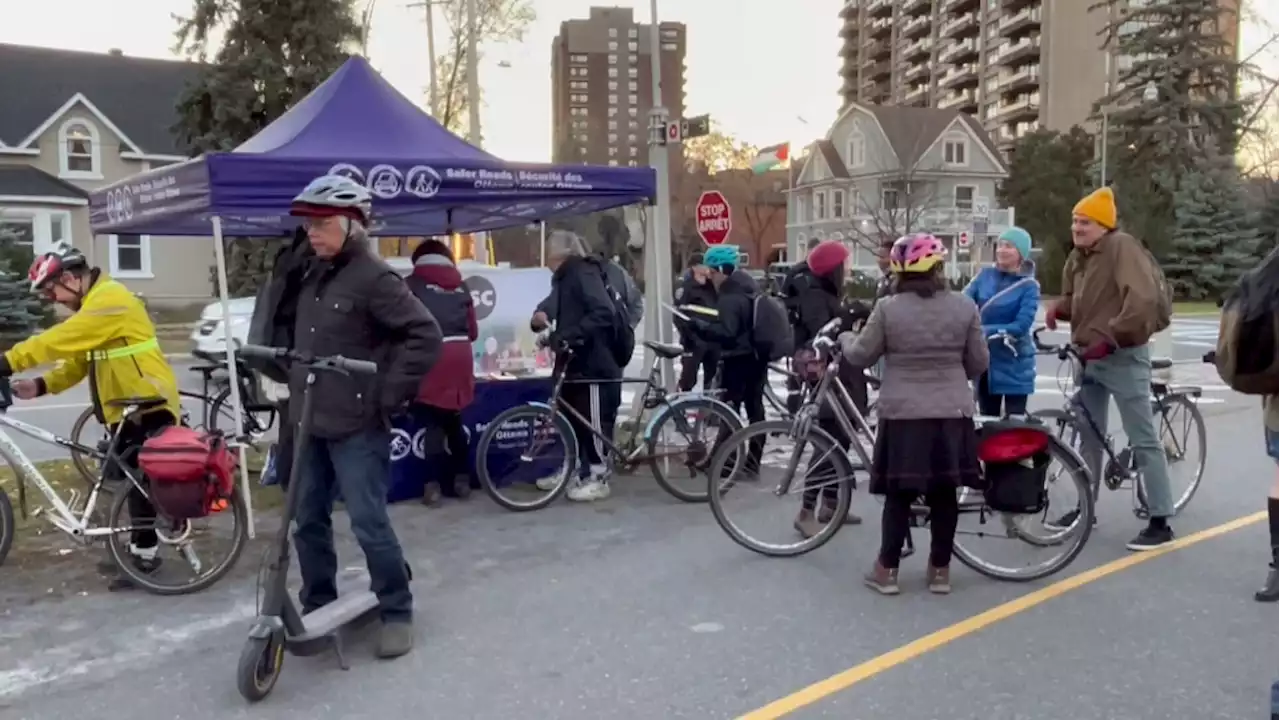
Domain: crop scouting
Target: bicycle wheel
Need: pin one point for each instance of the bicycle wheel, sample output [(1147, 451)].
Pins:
[(1187, 451), (258, 417), (7, 527), (709, 416), (87, 465), (1033, 530), (727, 475), (182, 536), (516, 440), (774, 379)]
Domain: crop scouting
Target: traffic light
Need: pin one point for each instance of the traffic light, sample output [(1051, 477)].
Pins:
[(697, 126)]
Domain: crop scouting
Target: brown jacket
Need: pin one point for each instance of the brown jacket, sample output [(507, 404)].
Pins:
[(1109, 293), (932, 348)]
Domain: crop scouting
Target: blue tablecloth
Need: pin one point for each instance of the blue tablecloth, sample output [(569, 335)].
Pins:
[(415, 451)]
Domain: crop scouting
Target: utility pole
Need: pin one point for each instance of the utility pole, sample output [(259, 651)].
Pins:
[(657, 257), (480, 240), (433, 87)]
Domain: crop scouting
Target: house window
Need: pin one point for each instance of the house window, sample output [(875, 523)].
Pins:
[(889, 199), (17, 229), (613, 85), (632, 46), (613, 124), (634, 152), (964, 197), (633, 125), (631, 111), (131, 256), (631, 85), (613, 99), (632, 32), (632, 163), (613, 137), (613, 59), (837, 204), (613, 163), (955, 151), (634, 99), (820, 206), (857, 155), (80, 155), (670, 47)]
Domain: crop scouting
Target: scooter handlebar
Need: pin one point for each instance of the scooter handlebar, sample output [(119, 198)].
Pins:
[(337, 362)]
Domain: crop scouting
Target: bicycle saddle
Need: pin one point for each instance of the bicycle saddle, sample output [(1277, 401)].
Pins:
[(141, 403), (1161, 363), (662, 350)]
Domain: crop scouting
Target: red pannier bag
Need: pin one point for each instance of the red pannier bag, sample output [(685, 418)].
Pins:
[(192, 472)]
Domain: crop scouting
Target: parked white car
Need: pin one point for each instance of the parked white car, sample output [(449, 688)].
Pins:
[(209, 335)]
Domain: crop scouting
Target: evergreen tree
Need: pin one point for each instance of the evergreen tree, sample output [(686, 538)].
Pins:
[(1048, 174), (273, 53), (1215, 236), (22, 313)]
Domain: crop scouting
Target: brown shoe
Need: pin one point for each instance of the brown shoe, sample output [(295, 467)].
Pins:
[(882, 580), (824, 516), (807, 525), (431, 495), (939, 580)]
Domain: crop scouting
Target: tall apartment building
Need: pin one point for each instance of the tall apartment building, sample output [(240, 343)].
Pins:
[(1017, 65), (602, 87)]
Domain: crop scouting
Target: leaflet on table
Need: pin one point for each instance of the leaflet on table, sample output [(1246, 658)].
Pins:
[(505, 300)]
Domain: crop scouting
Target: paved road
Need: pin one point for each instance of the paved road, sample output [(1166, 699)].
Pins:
[(641, 608)]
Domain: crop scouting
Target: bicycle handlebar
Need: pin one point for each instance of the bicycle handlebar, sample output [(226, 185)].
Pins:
[(1006, 338), (1063, 352), (334, 362)]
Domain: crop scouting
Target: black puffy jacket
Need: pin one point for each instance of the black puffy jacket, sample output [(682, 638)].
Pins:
[(584, 317), (692, 292), (735, 303)]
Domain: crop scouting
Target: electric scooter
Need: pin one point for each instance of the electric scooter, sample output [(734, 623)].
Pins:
[(280, 624)]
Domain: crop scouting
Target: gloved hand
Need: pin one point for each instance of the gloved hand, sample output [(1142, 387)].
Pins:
[(1098, 350)]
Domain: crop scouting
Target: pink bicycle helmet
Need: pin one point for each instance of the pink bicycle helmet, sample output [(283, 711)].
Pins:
[(916, 253)]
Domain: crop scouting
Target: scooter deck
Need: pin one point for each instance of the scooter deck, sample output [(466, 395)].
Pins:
[(337, 614)]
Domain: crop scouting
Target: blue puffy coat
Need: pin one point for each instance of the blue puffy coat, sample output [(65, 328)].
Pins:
[(1008, 301)]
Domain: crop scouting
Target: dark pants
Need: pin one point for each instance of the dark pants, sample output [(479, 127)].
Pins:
[(358, 467), (133, 433), (823, 472), (944, 513), (598, 404), (445, 424), (742, 378), (990, 404), (699, 357)]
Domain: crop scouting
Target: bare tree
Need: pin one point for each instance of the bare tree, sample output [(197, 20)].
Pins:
[(906, 197), (497, 21), (763, 204)]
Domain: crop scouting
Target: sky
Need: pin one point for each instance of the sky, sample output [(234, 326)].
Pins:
[(766, 71)]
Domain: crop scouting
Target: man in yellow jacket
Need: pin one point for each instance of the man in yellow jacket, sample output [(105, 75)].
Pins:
[(111, 340)]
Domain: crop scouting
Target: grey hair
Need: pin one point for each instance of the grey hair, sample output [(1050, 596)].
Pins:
[(563, 242), (354, 228)]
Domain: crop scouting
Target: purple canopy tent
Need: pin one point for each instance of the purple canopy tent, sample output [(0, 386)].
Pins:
[(425, 181)]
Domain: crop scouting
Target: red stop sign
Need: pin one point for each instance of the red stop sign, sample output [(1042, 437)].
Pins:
[(714, 219)]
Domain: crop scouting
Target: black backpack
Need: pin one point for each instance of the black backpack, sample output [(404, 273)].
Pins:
[(1247, 333), (622, 342), (771, 335)]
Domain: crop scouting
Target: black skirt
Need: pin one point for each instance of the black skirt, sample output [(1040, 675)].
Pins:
[(920, 456)]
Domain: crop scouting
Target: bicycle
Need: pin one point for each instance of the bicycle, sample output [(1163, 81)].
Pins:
[(79, 522), (541, 421), (1121, 469), (803, 430), (215, 404)]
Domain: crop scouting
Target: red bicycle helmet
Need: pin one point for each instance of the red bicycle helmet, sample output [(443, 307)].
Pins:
[(49, 266)]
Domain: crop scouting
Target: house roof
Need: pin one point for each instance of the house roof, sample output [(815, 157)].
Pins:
[(27, 181), (913, 130), (139, 96)]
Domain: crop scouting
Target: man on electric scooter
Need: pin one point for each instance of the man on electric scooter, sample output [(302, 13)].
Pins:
[(353, 304)]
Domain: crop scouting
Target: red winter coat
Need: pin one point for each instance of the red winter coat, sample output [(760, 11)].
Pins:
[(451, 383)]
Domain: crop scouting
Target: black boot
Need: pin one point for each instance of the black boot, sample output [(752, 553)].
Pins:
[(1269, 592)]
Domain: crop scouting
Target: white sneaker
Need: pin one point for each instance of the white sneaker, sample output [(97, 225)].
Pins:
[(548, 483), (588, 491)]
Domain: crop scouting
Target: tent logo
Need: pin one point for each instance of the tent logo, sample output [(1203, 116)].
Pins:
[(385, 181), (422, 181), (120, 204), (347, 170)]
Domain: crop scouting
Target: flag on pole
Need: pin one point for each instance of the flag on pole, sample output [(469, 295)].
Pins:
[(770, 158)]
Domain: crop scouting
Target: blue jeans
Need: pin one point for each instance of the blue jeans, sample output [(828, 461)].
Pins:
[(1273, 444), (1126, 376), (357, 467)]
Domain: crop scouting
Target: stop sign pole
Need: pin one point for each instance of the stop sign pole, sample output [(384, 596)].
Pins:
[(714, 219)]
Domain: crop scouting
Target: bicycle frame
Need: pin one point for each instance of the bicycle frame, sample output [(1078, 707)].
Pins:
[(65, 519), (832, 393)]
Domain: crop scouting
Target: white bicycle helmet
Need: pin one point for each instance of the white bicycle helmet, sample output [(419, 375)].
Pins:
[(333, 195)]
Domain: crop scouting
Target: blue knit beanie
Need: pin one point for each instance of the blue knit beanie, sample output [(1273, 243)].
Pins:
[(1018, 238)]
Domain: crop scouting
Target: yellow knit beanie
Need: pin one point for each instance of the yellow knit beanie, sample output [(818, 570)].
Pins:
[(1099, 206)]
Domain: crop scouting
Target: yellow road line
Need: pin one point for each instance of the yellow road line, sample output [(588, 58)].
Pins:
[(968, 626)]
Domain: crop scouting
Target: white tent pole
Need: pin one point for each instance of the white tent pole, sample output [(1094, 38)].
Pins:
[(220, 258), (542, 257)]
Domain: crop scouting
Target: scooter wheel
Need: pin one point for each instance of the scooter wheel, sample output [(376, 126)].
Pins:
[(260, 663)]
